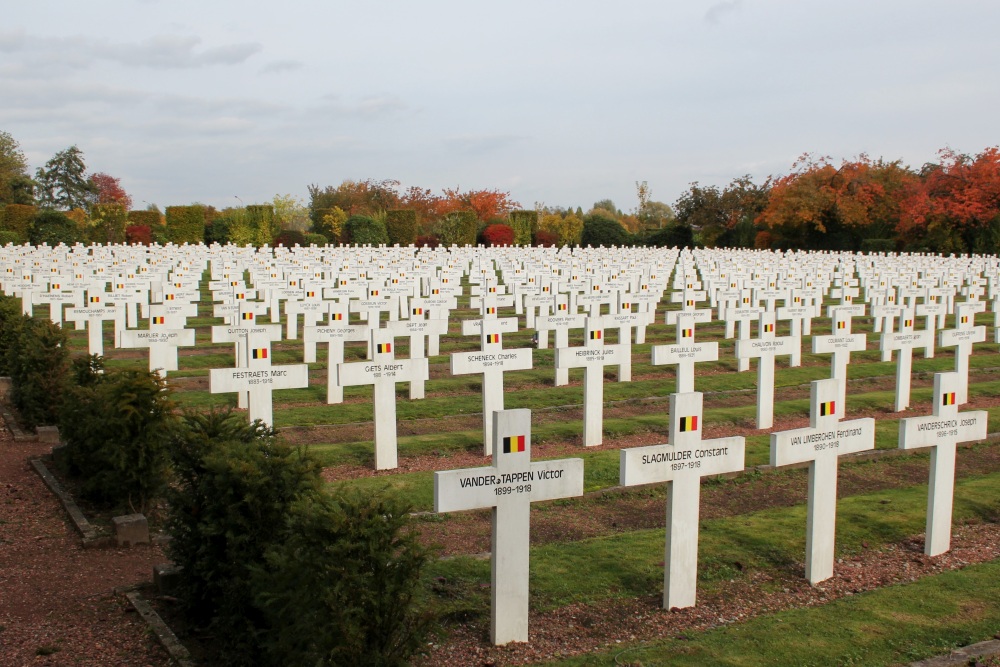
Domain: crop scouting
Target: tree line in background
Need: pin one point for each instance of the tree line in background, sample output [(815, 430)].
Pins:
[(948, 206)]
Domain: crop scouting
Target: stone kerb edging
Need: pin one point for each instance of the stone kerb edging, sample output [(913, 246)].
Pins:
[(963, 656), (80, 522), (178, 653)]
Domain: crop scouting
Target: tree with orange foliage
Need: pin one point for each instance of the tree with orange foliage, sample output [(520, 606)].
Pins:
[(487, 204), (956, 205), (821, 206)]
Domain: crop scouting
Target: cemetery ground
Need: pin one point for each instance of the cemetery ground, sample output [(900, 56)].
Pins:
[(596, 564)]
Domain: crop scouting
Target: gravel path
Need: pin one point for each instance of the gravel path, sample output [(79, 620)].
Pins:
[(57, 605)]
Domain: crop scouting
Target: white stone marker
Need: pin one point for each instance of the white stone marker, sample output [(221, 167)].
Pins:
[(961, 338), (560, 322), (509, 487), (904, 340), (686, 353), (258, 379), (334, 335), (821, 445), (491, 361), (592, 357), (162, 342), (942, 431), (742, 315), (417, 328), (840, 344), (93, 317), (765, 349), (383, 372), (682, 464)]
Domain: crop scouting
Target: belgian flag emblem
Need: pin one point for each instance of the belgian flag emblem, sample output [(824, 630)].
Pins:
[(690, 286), (848, 298), (95, 299), (746, 299), (435, 291), (293, 283), (965, 319), (545, 289), (690, 302), (644, 287), (336, 316), (493, 290), (685, 424), (246, 316), (234, 283), (158, 320), (374, 292), (563, 306), (597, 288), (259, 353), (178, 285), (596, 335), (119, 285), (310, 294), (513, 444), (827, 408), (948, 398), (492, 310), (444, 280), (626, 306), (492, 338), (384, 348), (841, 325), (418, 311), (241, 296), (687, 333), (55, 286), (907, 323), (168, 297), (768, 328), (797, 299)]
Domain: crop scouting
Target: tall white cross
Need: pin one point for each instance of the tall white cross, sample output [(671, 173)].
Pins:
[(592, 357), (685, 353), (904, 340), (765, 349), (821, 445), (840, 344), (335, 333), (682, 464), (962, 338), (258, 379), (509, 487), (383, 372), (417, 328), (942, 431), (491, 361)]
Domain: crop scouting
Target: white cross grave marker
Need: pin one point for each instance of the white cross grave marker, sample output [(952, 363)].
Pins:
[(765, 349), (904, 340), (592, 357), (383, 372), (682, 464), (509, 487), (942, 431), (962, 338), (821, 444)]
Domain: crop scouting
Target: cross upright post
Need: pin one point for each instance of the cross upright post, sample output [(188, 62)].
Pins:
[(509, 487), (821, 445), (682, 464), (942, 431)]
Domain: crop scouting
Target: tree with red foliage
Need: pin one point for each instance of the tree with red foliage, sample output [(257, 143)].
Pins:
[(960, 196), (110, 191), (498, 234), (140, 234)]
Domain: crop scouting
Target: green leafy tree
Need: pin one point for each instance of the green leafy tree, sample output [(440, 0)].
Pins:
[(16, 186), (599, 229), (63, 182), (366, 230), (53, 228)]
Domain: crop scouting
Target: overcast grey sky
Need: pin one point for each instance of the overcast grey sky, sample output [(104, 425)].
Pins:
[(562, 102)]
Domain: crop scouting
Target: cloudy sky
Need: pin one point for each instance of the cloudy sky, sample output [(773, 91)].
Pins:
[(561, 102)]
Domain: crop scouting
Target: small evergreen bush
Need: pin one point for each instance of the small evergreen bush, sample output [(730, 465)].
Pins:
[(38, 360), (116, 426), (525, 225), (401, 226), (53, 228)]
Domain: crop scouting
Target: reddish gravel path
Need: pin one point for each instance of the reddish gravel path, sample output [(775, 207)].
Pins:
[(57, 605)]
